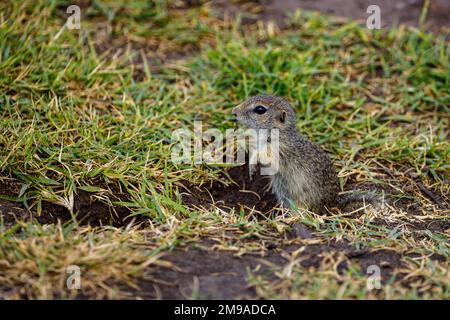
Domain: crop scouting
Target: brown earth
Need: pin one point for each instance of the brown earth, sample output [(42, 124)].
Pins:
[(199, 269), (245, 193), (87, 209), (392, 12), (206, 273), (241, 193)]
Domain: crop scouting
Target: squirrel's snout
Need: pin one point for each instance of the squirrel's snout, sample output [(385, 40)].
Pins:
[(235, 110)]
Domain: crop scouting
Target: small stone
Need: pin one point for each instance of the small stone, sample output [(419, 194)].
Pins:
[(301, 231)]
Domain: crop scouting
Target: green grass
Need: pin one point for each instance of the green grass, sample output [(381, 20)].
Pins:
[(90, 108)]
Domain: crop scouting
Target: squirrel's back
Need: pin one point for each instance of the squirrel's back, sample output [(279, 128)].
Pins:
[(306, 176)]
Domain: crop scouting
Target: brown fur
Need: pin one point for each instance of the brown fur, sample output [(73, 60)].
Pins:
[(306, 175)]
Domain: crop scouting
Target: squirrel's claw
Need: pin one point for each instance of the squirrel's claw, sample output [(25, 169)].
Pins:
[(251, 170)]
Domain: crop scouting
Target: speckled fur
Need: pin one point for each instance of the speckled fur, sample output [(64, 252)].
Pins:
[(306, 175)]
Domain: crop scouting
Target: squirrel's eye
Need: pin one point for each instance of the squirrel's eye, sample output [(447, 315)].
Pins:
[(260, 109)]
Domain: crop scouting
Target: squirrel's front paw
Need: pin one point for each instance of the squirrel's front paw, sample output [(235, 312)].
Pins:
[(252, 168)]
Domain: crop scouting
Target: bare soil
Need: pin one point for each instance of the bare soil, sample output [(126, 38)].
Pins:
[(251, 195), (392, 12), (87, 209), (202, 272), (245, 193)]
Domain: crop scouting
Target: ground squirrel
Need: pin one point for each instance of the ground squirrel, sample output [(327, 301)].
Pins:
[(305, 175)]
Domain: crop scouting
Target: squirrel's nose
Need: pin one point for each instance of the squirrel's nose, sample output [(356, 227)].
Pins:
[(235, 110)]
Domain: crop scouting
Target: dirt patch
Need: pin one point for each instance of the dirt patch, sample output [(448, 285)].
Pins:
[(199, 272), (403, 11), (433, 225), (249, 194), (208, 274), (254, 198), (245, 193), (87, 209)]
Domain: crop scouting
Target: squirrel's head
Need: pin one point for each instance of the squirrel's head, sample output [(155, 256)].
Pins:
[(265, 112)]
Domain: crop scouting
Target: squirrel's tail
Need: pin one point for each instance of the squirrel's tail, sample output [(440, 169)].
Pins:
[(357, 200)]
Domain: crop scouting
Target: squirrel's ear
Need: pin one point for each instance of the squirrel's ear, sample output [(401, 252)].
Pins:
[(283, 116)]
